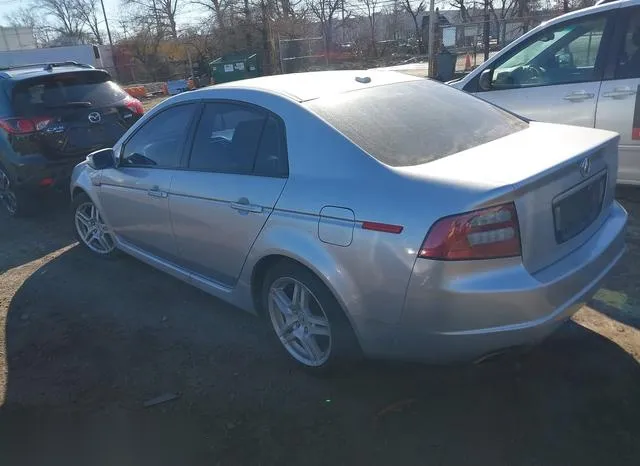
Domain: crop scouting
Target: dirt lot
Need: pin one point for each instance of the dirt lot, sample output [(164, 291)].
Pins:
[(84, 343)]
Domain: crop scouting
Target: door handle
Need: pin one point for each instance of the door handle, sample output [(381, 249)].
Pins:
[(619, 92), (578, 96), (155, 192), (243, 206)]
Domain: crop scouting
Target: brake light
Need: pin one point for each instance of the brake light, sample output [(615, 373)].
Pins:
[(24, 125), (134, 105), (482, 234)]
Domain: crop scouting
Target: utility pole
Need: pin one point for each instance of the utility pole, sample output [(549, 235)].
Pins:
[(432, 37), (342, 24), (106, 23), (485, 41)]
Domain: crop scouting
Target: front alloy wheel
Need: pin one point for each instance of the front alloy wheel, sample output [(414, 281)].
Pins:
[(91, 229)]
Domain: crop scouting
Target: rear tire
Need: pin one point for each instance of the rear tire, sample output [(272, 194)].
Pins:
[(16, 203), (306, 319), (90, 229)]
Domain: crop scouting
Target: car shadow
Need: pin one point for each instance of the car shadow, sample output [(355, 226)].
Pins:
[(90, 341), (619, 297), (23, 240)]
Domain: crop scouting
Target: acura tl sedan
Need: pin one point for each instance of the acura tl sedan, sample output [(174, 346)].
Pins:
[(362, 213)]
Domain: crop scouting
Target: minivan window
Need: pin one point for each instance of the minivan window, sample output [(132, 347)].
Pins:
[(628, 57), (38, 95), (560, 54), (414, 122)]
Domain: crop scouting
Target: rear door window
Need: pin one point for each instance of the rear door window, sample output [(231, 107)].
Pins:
[(227, 138), (91, 89)]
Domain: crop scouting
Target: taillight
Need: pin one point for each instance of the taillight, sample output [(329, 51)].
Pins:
[(24, 125), (134, 105), (482, 234)]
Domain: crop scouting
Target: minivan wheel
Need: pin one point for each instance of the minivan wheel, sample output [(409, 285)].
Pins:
[(90, 229), (306, 319)]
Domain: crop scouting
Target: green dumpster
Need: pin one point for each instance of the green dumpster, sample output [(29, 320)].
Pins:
[(235, 67)]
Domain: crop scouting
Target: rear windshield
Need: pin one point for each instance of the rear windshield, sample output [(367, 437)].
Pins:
[(415, 122), (37, 95)]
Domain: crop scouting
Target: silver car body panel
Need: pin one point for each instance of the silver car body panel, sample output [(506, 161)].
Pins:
[(399, 305)]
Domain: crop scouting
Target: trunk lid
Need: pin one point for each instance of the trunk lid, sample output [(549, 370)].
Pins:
[(561, 178), (75, 112)]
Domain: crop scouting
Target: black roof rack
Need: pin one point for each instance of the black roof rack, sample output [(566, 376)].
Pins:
[(602, 2), (45, 66)]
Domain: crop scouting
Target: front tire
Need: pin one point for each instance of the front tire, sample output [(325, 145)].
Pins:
[(90, 229), (306, 319)]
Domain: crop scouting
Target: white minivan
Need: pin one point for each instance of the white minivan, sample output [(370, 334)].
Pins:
[(581, 68)]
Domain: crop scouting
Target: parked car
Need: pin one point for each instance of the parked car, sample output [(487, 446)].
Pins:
[(51, 117), (424, 233), (582, 68)]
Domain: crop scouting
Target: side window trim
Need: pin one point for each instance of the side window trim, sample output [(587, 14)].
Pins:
[(610, 17), (268, 114), (190, 125)]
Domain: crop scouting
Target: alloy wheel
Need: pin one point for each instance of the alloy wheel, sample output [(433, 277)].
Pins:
[(299, 321), (7, 196), (93, 232)]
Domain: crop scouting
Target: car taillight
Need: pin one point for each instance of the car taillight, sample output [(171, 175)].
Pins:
[(134, 105), (482, 234), (24, 125)]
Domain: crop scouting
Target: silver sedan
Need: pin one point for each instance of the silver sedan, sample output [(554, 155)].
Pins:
[(362, 212)]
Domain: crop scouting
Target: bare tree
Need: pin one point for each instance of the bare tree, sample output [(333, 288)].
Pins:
[(501, 10), (414, 11), (220, 9), (462, 6), (163, 12), (393, 13), (370, 9), (325, 12), (26, 17), (88, 11), (62, 16)]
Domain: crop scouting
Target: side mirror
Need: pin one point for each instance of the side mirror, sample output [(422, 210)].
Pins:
[(101, 159), (484, 82)]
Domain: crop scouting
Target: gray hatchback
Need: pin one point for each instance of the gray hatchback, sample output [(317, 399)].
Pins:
[(371, 213)]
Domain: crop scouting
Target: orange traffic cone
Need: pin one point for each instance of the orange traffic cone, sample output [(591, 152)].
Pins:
[(467, 62)]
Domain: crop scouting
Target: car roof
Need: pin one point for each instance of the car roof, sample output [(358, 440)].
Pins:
[(598, 7), (307, 86), (41, 69)]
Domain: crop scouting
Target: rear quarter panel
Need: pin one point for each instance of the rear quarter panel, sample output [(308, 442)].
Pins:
[(370, 276)]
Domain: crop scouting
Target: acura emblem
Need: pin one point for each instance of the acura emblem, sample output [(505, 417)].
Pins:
[(585, 167), (94, 117)]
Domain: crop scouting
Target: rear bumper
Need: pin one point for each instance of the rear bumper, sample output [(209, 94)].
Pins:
[(464, 310), (37, 172)]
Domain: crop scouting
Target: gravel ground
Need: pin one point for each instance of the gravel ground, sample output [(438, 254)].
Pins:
[(84, 343)]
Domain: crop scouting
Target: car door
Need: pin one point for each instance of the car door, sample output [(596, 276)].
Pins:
[(555, 75), (237, 168), (619, 100), (135, 194)]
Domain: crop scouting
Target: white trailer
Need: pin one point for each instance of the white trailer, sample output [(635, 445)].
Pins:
[(85, 54)]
